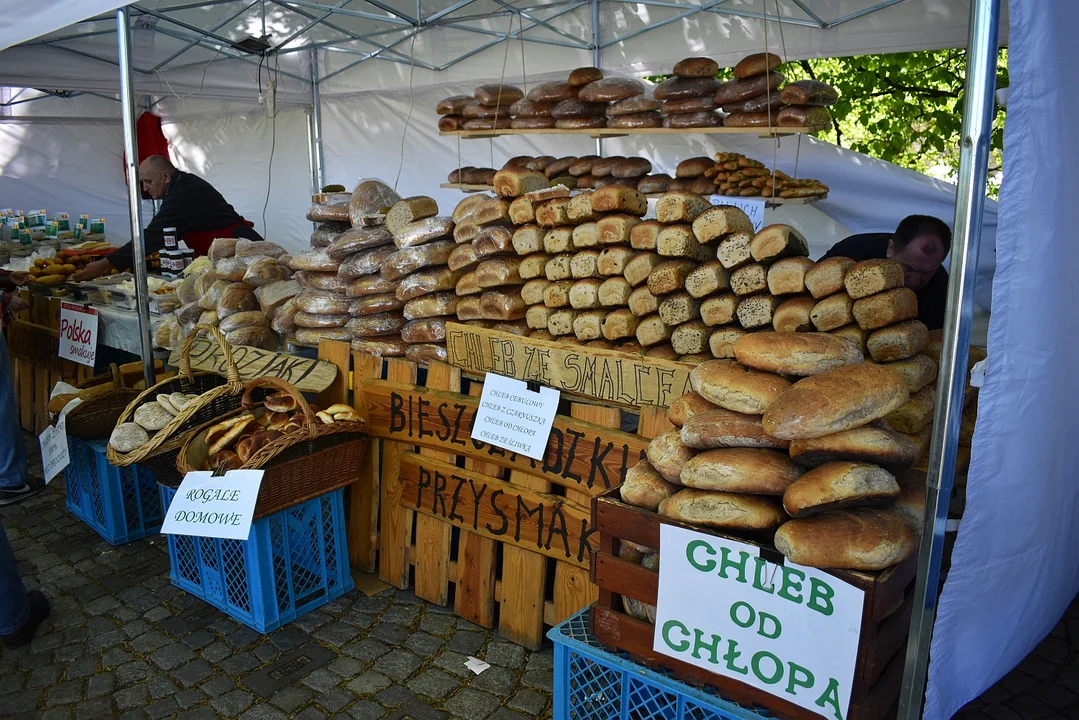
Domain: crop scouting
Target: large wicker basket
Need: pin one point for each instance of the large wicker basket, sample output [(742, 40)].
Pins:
[(217, 397), (95, 419), (299, 466)]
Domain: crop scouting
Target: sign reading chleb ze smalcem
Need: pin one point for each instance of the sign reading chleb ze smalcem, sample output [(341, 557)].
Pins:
[(789, 630)]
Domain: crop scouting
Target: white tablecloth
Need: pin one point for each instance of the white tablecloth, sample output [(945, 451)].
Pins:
[(120, 328)]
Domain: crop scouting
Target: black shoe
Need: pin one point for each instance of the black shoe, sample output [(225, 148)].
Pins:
[(12, 496), (39, 610)]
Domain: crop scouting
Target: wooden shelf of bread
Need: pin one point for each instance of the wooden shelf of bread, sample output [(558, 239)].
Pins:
[(771, 201), (755, 101)]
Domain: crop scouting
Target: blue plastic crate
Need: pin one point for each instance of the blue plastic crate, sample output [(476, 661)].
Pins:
[(592, 683), (293, 561), (121, 503)]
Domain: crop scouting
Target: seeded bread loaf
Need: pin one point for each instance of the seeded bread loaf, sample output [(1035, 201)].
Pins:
[(714, 224), (669, 276), (749, 279), (899, 341), (886, 308), (870, 277), (734, 250), (690, 338), (757, 311), (832, 312), (680, 207)]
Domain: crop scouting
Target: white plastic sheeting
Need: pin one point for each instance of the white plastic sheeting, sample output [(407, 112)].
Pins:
[(21, 20), (1015, 568)]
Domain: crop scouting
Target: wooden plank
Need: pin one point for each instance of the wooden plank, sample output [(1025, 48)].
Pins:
[(524, 583), (573, 588), (622, 132), (476, 555), (513, 514), (467, 187), (395, 535), (433, 535), (770, 201), (616, 377), (306, 374), (338, 354), (653, 422), (584, 456), (363, 497)]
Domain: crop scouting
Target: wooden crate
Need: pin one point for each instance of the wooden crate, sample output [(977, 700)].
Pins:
[(889, 599)]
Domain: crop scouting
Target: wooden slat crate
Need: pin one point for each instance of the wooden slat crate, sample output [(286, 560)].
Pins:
[(889, 598)]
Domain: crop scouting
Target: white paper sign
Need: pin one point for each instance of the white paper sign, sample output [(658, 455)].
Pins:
[(513, 417), (54, 454), (217, 507), (753, 207), (789, 630), (78, 333)]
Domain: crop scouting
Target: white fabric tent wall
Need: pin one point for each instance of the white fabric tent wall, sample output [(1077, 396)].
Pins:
[(1015, 568)]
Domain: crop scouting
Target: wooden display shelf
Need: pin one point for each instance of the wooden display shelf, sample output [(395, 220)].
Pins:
[(624, 132), (464, 187)]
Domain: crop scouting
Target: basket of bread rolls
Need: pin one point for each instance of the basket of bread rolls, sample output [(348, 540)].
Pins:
[(305, 451), (156, 423), (103, 398)]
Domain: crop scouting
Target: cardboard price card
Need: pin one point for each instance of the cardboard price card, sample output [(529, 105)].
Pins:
[(215, 507), (789, 630), (54, 451), (78, 333), (512, 417)]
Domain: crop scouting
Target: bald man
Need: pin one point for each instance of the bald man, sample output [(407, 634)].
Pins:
[(188, 203), (919, 244)]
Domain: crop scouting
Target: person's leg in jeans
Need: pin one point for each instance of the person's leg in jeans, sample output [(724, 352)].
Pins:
[(13, 486), (20, 612)]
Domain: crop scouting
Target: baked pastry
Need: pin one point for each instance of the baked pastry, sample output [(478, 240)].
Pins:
[(128, 437), (866, 539), (712, 427), (644, 487), (874, 443), (667, 454), (739, 389), (740, 470), (733, 511)]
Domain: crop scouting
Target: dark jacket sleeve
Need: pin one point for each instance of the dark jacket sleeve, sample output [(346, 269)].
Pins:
[(6, 283), (175, 208)]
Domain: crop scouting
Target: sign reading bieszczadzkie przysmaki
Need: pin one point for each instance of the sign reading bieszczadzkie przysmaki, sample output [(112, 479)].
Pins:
[(789, 630)]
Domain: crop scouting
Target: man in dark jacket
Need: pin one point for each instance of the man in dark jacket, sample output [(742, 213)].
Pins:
[(190, 204), (919, 244)]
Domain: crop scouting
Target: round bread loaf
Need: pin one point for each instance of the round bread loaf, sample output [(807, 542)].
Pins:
[(610, 90), (583, 166), (633, 106), (559, 167), (719, 428), (495, 94), (603, 166), (875, 443), (581, 123), (740, 470), (668, 454), (703, 103), (450, 123), (583, 76), (757, 64), (526, 108), (636, 120), (864, 539), (722, 510), (653, 183), (694, 119), (911, 502), (574, 108), (840, 399), (532, 123), (693, 167), (152, 416), (686, 406), (678, 88), (551, 92), (795, 353), (128, 437), (645, 488), (737, 388), (499, 123), (837, 485), (453, 105), (695, 67), (630, 167)]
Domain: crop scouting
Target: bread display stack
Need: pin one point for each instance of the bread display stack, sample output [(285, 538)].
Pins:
[(330, 211), (688, 98), (489, 109), (751, 98)]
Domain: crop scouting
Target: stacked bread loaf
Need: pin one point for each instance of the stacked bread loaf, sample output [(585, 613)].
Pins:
[(487, 109), (688, 98), (469, 175), (747, 436), (330, 212), (754, 97)]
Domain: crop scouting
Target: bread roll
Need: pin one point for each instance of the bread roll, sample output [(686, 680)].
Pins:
[(733, 251), (532, 291), (584, 264), (615, 229), (614, 292), (584, 294), (585, 235), (719, 310), (690, 338), (777, 241), (619, 199), (643, 235), (865, 539), (553, 213), (757, 311), (847, 397), (668, 454), (875, 444), (678, 307), (787, 276), (644, 487), (886, 308), (669, 276), (726, 511), (558, 267), (640, 266), (619, 324), (560, 322), (558, 240), (431, 305), (794, 353), (652, 330), (721, 341), (588, 324), (516, 182), (870, 277), (356, 239), (827, 276), (898, 342), (832, 312), (642, 303), (915, 414), (792, 315), (918, 371), (557, 294), (755, 105), (739, 389), (749, 279), (662, 352), (633, 167), (533, 266), (756, 64), (739, 469)]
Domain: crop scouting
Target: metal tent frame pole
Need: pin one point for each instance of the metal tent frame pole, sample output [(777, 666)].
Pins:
[(952, 377), (134, 198), (317, 166), (596, 47)]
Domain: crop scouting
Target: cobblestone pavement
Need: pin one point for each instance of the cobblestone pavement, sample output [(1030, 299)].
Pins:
[(122, 642)]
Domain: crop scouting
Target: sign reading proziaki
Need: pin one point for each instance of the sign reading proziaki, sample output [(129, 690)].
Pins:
[(789, 630)]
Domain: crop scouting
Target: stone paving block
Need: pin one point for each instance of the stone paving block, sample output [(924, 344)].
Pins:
[(45, 676), (13, 681), (541, 679), (266, 653), (541, 660), (199, 713), (216, 652), (172, 656), (389, 633), (505, 654), (189, 698), (472, 704), (434, 683), (136, 628), (437, 624), (239, 663), (100, 684), (507, 714), (416, 709), (95, 708), (291, 698), (423, 644), (245, 637), (162, 708), (394, 695), (149, 641), (529, 702), (365, 649), (233, 702), (375, 604), (369, 683), (290, 668), (22, 702), (192, 673), (132, 697), (311, 621), (399, 664), (359, 619), (161, 686), (65, 693), (454, 663), (310, 713), (321, 680), (334, 700), (346, 667), (218, 686), (336, 634), (288, 638), (367, 710), (263, 711), (115, 658), (402, 614), (199, 639), (496, 680), (1056, 696), (105, 641), (33, 661), (132, 672), (467, 642)]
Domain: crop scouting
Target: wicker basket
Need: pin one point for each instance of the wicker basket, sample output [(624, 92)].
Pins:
[(299, 466), (217, 397), (95, 419)]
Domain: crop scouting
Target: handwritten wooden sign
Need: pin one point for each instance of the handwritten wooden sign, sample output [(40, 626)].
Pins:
[(610, 375), (546, 524), (580, 455), (306, 374)]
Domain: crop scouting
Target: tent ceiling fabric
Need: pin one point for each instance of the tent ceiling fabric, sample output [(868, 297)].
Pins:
[(186, 47)]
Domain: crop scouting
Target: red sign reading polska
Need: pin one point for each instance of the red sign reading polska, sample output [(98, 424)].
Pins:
[(78, 333)]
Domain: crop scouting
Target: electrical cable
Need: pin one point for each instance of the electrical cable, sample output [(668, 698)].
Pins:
[(273, 140), (202, 83), (411, 104)]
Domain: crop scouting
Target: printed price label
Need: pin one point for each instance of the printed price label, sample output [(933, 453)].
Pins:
[(217, 507), (513, 417), (54, 454), (753, 207), (78, 333)]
